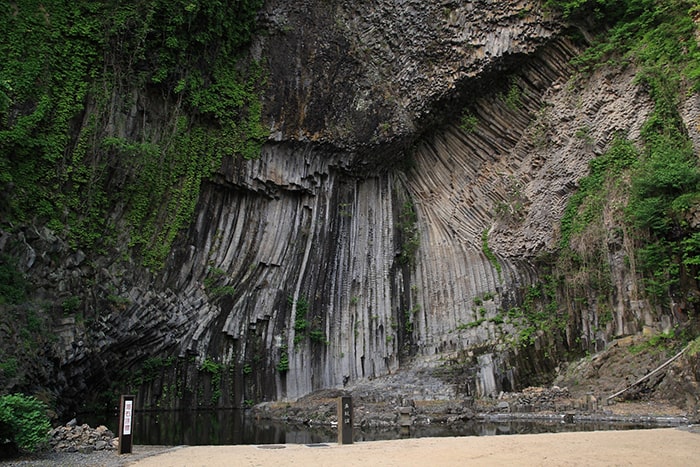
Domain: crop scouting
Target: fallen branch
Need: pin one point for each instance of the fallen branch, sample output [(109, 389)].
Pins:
[(649, 375)]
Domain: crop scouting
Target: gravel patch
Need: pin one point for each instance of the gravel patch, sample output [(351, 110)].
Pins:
[(93, 459)]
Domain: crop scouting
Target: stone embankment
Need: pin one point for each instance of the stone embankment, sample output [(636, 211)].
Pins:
[(533, 403)]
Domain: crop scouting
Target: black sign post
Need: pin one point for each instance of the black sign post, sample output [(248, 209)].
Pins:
[(344, 420), (126, 424)]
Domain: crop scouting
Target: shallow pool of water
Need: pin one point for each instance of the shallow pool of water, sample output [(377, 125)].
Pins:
[(224, 427)]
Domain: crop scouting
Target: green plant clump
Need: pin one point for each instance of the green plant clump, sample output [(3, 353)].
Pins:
[(498, 319), (538, 312), (300, 322), (659, 38), (471, 325), (408, 227), (216, 371), (214, 283), (468, 122), (210, 366), (70, 304), (586, 205), (694, 347), (658, 342), (490, 255), (318, 336), (283, 364), (151, 368), (513, 98), (24, 421)]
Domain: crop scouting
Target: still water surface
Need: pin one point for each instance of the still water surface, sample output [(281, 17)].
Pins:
[(226, 427)]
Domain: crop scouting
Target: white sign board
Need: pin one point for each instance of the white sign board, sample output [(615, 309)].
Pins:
[(127, 417)]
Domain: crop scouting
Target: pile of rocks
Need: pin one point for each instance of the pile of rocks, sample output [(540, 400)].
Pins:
[(81, 438), (538, 399), (530, 400)]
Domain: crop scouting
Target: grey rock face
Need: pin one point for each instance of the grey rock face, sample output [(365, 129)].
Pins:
[(333, 254), (357, 74), (406, 137)]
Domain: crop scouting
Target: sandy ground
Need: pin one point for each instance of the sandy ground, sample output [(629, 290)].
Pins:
[(656, 447)]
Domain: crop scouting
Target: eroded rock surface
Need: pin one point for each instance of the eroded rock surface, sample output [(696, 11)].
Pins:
[(408, 141)]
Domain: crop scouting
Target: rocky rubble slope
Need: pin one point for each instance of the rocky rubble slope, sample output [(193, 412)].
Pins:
[(581, 392)]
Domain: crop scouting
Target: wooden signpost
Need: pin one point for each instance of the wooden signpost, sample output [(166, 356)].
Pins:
[(344, 420), (126, 424)]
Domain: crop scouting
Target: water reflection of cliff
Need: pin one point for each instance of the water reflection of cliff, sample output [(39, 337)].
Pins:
[(231, 427)]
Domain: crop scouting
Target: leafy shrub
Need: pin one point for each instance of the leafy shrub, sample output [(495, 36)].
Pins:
[(214, 283), (609, 11), (468, 122), (585, 205), (658, 342), (211, 367), (659, 38), (489, 296), (498, 319), (665, 174), (513, 99), (470, 325), (70, 304), (318, 336), (301, 324), (23, 421), (410, 236)]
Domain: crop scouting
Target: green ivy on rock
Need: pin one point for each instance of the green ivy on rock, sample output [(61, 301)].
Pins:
[(66, 62), (661, 179)]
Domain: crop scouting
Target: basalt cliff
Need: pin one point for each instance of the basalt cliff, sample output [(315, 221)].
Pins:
[(404, 210)]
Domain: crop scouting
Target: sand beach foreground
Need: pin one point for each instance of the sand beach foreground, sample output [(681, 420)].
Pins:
[(653, 447)]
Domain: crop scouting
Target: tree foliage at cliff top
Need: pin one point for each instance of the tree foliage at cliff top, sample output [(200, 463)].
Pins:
[(65, 65), (659, 38)]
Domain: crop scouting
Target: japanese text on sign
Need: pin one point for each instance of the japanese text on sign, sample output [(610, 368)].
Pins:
[(127, 417)]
